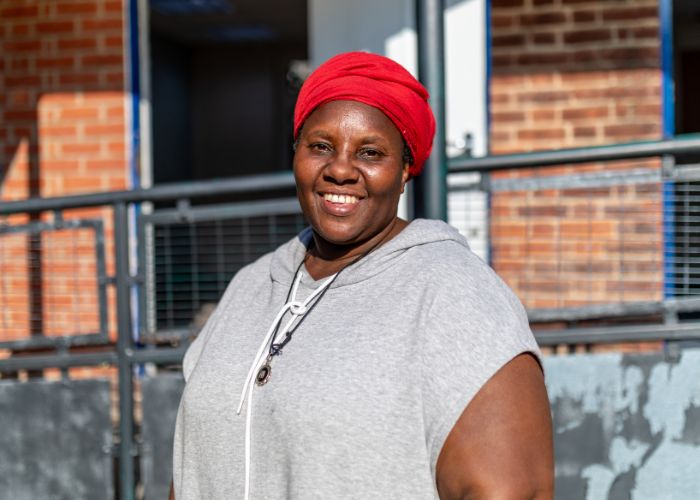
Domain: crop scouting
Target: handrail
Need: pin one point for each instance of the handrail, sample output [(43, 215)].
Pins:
[(198, 189), (681, 144)]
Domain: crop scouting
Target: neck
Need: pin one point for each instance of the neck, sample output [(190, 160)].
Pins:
[(326, 258)]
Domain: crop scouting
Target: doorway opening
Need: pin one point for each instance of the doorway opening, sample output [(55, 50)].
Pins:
[(222, 93)]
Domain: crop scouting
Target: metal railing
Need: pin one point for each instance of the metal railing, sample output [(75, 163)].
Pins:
[(136, 336), (628, 228), (119, 348)]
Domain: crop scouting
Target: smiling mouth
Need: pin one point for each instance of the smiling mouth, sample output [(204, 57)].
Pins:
[(345, 199)]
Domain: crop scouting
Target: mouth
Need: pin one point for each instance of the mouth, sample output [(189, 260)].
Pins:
[(340, 199), (340, 205)]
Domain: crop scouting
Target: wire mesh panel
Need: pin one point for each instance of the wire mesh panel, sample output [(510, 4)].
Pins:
[(52, 280), (467, 210), (683, 238), (194, 254)]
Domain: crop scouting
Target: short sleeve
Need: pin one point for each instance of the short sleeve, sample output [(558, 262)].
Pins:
[(475, 325)]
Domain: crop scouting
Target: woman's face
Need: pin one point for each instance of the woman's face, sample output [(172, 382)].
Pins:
[(349, 172)]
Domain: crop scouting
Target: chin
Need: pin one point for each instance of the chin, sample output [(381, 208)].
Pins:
[(338, 238)]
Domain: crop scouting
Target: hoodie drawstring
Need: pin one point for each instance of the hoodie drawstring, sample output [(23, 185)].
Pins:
[(297, 309)]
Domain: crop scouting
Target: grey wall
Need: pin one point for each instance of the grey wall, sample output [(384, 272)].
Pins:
[(55, 440), (626, 426)]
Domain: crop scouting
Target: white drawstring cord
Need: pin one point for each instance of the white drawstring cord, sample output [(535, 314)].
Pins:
[(297, 309)]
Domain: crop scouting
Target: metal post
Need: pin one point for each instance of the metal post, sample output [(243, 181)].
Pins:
[(431, 186), (124, 351)]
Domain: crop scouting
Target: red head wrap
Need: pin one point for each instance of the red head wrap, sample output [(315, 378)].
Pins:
[(379, 82)]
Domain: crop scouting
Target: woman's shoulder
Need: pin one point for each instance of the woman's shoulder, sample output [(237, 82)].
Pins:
[(454, 274), (450, 259)]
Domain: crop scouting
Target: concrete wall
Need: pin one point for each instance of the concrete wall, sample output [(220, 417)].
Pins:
[(626, 426)]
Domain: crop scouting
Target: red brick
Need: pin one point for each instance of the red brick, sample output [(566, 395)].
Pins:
[(543, 59), (54, 62), (633, 130), (502, 60), (503, 21), (76, 8), (515, 116), (79, 113), (540, 134), (19, 11), (584, 132), (629, 13), (23, 80), (77, 43), (544, 38), (114, 6), (650, 32), (115, 79), (100, 130), (115, 112), (55, 27), (19, 29), (585, 113), (508, 41), (22, 46), (102, 60), (587, 36), (543, 18), (17, 115), (116, 148), (498, 4), (543, 97), (114, 42), (102, 25), (80, 148), (58, 130), (632, 54), (103, 165), (77, 183), (585, 16), (78, 78)]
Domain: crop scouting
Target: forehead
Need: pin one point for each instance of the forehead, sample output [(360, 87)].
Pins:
[(352, 116)]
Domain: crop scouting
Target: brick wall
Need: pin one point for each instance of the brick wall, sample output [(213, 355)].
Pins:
[(63, 131), (573, 73)]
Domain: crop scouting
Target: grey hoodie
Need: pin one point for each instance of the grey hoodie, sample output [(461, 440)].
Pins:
[(361, 400)]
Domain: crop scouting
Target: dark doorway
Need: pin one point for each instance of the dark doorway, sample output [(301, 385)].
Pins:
[(221, 91), (686, 48)]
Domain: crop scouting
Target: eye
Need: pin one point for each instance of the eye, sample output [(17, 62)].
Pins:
[(320, 147), (371, 154)]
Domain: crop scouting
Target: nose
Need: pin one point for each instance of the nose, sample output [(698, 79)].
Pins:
[(341, 169)]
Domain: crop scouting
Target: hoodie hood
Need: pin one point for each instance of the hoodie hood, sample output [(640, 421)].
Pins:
[(286, 259)]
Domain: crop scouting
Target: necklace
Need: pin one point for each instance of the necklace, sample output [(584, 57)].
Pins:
[(261, 369), (298, 311)]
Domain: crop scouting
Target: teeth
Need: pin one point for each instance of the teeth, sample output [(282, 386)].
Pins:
[(340, 198)]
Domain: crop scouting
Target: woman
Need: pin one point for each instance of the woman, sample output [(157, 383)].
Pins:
[(408, 367)]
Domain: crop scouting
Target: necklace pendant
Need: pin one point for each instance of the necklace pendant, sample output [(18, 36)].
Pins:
[(264, 373)]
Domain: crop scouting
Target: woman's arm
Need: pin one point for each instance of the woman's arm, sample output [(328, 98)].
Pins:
[(501, 446)]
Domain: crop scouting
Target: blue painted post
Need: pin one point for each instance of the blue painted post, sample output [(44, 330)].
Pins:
[(668, 124)]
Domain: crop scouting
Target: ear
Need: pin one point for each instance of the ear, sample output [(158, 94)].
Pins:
[(405, 175)]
